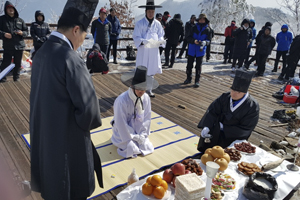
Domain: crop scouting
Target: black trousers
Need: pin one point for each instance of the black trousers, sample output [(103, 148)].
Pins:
[(253, 58), (190, 66), (278, 55), (261, 63), (183, 48), (7, 56), (289, 71), (114, 44), (247, 55), (161, 49), (104, 49), (168, 48), (240, 62), (208, 52), (228, 51)]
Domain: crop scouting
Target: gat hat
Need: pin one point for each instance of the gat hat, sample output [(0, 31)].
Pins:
[(242, 80), (79, 12), (158, 15), (139, 79), (150, 5)]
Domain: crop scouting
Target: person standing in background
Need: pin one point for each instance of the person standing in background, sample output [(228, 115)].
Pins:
[(115, 32), (252, 24), (212, 34), (229, 42)]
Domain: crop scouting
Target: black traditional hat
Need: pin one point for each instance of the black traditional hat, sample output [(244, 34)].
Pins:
[(139, 79), (79, 12), (242, 80), (150, 5)]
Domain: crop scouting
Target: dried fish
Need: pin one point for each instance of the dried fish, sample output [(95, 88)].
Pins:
[(272, 165)]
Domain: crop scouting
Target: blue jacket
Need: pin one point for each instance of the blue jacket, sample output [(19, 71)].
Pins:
[(284, 39), (116, 27), (253, 36), (199, 32)]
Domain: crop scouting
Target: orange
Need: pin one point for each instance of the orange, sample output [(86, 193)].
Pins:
[(156, 180), (159, 192), (147, 189), (164, 184), (149, 179)]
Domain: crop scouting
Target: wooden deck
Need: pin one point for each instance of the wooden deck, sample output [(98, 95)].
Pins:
[(14, 110)]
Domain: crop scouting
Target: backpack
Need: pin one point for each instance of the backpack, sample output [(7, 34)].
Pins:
[(130, 53), (97, 62)]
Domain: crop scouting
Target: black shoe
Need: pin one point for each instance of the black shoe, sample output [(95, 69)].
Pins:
[(16, 79), (166, 64), (187, 81), (259, 74), (274, 70), (280, 77), (197, 84), (115, 62), (229, 61), (179, 57), (224, 62), (3, 80), (171, 66), (246, 66)]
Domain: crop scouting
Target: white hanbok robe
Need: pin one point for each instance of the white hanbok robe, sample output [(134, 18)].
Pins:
[(148, 57), (125, 126)]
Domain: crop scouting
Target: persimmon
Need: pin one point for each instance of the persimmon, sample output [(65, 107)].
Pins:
[(147, 189), (164, 184), (159, 192), (156, 180)]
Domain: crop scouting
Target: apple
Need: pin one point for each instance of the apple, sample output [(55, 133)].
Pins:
[(168, 175), (217, 152), (223, 163), (178, 169), (187, 172), (173, 181)]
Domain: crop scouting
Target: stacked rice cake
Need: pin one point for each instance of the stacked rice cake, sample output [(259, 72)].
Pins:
[(189, 187)]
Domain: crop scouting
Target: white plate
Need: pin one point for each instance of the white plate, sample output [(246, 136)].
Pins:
[(280, 168), (151, 197)]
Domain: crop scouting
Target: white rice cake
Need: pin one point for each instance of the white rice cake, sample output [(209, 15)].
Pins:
[(189, 187)]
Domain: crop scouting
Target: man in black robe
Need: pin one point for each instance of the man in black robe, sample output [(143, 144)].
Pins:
[(63, 110), (232, 116)]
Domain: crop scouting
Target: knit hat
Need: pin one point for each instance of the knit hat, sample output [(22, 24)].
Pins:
[(268, 24), (203, 16), (242, 81)]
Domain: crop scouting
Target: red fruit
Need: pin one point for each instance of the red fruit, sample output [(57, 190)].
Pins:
[(173, 181), (178, 169), (168, 175), (188, 172)]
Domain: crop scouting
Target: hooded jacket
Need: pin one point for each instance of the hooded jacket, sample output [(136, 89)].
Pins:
[(284, 39), (174, 30), (115, 27), (9, 25), (242, 37), (253, 32), (96, 60), (101, 31), (267, 43), (39, 30)]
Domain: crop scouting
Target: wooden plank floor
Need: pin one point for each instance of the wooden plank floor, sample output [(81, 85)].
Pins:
[(14, 110)]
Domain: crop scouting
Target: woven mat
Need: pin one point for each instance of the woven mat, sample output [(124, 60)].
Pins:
[(172, 144)]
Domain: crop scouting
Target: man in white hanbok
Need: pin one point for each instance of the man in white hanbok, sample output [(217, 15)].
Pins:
[(132, 115), (148, 36)]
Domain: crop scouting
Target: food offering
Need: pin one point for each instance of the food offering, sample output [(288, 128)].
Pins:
[(217, 155), (155, 186), (224, 181), (248, 168), (216, 193), (234, 154), (191, 166), (187, 166), (245, 147)]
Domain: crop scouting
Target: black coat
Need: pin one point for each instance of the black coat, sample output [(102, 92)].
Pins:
[(242, 37), (266, 45), (237, 125), (294, 52), (174, 31), (101, 31), (188, 28), (39, 30), (9, 25), (96, 60), (63, 109)]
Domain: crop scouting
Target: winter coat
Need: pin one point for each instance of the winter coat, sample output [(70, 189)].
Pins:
[(9, 25), (229, 39), (253, 33), (101, 31), (115, 27), (39, 30), (63, 109), (284, 39), (242, 37), (164, 22), (294, 52), (188, 28), (200, 32), (174, 31), (96, 60), (267, 43)]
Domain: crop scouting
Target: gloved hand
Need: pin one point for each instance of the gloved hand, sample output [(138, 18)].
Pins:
[(204, 132), (203, 43), (140, 139), (221, 126), (145, 42)]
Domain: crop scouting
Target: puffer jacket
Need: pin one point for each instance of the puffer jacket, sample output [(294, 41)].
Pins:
[(242, 37), (115, 27), (39, 30), (284, 39), (10, 25), (174, 31), (267, 43)]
